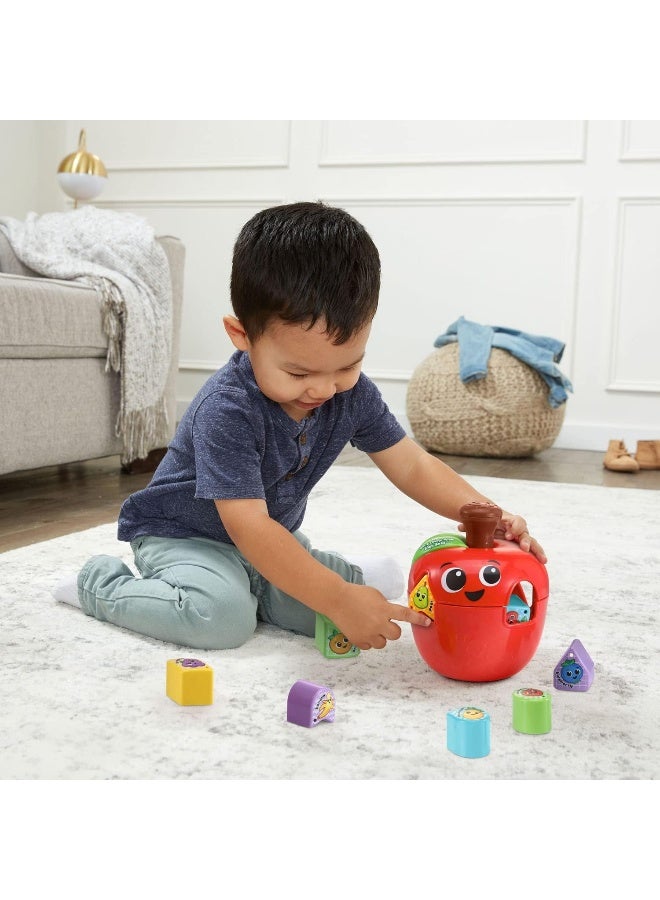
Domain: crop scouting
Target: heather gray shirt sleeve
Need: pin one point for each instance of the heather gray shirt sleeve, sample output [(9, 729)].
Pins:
[(228, 443), (375, 426)]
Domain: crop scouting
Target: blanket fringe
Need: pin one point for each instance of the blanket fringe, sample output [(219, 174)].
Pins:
[(112, 320), (142, 430)]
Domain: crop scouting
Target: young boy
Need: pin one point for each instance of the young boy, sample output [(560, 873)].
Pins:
[(215, 535)]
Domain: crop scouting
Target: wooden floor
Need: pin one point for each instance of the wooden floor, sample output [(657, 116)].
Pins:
[(46, 503)]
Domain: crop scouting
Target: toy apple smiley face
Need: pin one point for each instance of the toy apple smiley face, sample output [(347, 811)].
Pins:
[(484, 628)]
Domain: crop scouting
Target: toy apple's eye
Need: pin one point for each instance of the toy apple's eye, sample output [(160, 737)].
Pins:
[(489, 575), (453, 580)]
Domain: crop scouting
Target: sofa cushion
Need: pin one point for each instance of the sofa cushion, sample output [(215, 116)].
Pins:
[(45, 317)]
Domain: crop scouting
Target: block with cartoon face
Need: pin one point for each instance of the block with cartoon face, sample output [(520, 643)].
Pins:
[(331, 642), (575, 670), (189, 682), (468, 732), (532, 711), (309, 703)]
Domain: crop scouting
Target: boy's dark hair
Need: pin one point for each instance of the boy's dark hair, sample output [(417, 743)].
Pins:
[(305, 262)]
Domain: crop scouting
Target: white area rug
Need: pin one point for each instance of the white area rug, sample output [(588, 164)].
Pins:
[(83, 699)]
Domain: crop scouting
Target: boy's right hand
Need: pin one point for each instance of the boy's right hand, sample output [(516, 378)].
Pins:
[(366, 617)]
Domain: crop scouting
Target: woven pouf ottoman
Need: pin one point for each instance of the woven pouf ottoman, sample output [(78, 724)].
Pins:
[(504, 414)]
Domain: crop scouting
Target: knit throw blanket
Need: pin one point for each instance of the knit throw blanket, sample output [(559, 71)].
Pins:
[(118, 255)]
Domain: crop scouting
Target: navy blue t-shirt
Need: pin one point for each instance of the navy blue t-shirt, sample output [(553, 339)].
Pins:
[(234, 443)]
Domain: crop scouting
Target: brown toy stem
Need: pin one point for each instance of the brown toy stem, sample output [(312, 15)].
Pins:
[(480, 521)]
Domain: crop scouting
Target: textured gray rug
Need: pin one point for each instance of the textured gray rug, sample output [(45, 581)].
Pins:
[(85, 700)]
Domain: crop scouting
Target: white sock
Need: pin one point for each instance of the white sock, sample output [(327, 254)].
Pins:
[(382, 573), (66, 591)]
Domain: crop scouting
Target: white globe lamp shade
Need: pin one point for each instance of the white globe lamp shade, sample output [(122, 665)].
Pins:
[(81, 186)]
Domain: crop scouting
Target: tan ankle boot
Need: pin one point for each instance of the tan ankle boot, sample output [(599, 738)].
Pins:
[(648, 454), (618, 459)]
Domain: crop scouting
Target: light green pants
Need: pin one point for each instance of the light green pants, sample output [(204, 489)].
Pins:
[(195, 592)]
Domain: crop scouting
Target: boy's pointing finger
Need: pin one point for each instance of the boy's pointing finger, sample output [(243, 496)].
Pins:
[(406, 614)]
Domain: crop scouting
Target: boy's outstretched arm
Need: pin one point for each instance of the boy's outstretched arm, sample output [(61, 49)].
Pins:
[(429, 481), (361, 612)]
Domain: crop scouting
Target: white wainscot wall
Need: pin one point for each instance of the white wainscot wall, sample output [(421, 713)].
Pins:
[(551, 227)]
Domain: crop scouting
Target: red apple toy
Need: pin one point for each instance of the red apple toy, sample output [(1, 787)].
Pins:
[(487, 599)]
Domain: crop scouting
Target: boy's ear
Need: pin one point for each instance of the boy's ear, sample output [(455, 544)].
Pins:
[(236, 332)]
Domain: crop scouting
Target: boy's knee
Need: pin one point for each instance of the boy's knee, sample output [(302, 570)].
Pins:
[(224, 634), (222, 625), (102, 570)]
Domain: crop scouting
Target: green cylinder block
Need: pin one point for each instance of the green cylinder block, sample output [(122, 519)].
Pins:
[(532, 711)]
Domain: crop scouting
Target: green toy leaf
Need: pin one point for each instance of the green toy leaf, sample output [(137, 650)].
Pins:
[(439, 542)]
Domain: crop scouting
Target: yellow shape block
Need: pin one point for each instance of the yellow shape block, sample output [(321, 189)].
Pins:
[(421, 598), (189, 682)]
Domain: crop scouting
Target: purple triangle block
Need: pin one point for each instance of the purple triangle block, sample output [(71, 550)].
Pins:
[(575, 670)]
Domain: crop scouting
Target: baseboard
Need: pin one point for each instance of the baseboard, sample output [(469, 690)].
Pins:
[(574, 436)]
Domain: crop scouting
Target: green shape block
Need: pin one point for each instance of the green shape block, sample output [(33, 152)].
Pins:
[(532, 711), (439, 542), (330, 641)]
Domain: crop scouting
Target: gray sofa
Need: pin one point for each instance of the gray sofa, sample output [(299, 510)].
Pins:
[(57, 402)]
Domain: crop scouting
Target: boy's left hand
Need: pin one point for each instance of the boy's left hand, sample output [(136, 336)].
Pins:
[(514, 528)]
